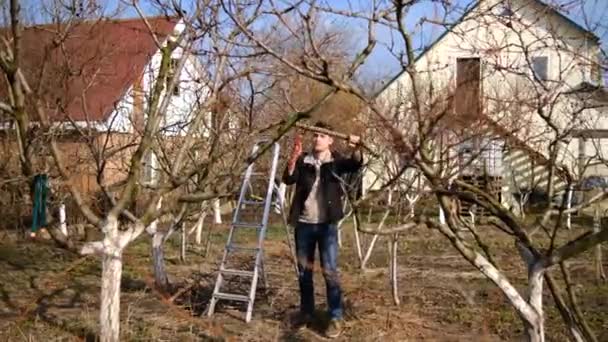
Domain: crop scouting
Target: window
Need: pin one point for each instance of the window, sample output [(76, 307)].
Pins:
[(540, 67), (172, 67)]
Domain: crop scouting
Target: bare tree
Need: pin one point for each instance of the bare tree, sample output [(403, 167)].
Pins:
[(528, 110)]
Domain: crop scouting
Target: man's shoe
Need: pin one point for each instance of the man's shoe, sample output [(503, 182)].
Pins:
[(334, 329), (303, 321)]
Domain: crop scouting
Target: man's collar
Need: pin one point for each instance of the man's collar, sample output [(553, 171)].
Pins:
[(310, 158)]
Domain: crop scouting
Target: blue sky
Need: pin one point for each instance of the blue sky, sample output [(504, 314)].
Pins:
[(382, 65)]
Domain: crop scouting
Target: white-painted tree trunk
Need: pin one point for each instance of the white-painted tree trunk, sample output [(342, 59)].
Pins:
[(522, 204), (599, 267), (63, 227), (344, 206), (441, 216), (217, 214), (357, 239), (281, 192), (535, 329), (472, 214), (208, 241), (568, 206), (374, 239), (393, 268), (525, 310), (161, 280), (183, 244), (534, 322), (411, 201), (152, 228), (111, 249), (109, 318), (368, 254), (199, 228)]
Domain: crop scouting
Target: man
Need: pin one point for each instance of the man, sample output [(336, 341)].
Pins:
[(316, 208)]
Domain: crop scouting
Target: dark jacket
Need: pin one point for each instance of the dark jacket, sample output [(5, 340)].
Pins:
[(331, 175)]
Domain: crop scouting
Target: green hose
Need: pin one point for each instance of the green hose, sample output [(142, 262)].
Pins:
[(39, 211)]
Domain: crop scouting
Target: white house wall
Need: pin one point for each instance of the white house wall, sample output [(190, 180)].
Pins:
[(192, 91), (499, 48)]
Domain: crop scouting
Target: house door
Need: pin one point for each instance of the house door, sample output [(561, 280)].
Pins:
[(467, 97)]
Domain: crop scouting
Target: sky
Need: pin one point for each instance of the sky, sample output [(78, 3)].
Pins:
[(382, 65)]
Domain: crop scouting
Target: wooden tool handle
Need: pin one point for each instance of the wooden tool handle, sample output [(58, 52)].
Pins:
[(322, 130), (331, 133)]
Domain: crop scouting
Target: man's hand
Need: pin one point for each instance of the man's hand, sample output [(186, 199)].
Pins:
[(295, 153), (354, 140)]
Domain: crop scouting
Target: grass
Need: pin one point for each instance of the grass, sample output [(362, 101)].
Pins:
[(48, 294)]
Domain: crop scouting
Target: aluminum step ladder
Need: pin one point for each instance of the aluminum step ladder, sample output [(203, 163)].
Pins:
[(264, 204)]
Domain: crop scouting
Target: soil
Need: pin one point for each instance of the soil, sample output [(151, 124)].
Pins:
[(49, 294)]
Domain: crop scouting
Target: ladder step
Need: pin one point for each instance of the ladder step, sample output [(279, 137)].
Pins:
[(231, 296), (253, 202), (240, 273), (246, 225)]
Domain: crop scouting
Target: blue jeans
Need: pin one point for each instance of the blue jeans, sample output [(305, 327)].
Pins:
[(308, 236)]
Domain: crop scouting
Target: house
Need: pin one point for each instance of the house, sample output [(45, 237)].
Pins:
[(493, 73), (94, 78)]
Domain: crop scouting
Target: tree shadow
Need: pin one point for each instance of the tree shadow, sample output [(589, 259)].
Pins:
[(198, 298), (317, 327), (49, 301), (129, 283)]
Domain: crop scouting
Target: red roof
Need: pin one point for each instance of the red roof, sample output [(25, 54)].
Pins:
[(96, 62)]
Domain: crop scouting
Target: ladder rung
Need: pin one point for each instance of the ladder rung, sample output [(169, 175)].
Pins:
[(246, 202), (231, 296), (246, 225), (240, 273), (260, 174)]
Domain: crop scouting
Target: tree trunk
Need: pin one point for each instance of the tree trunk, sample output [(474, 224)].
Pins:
[(199, 228), (110, 296), (217, 214), (599, 267), (161, 279), (572, 316), (441, 216), (535, 329), (62, 224), (184, 242), (357, 239), (568, 206), (374, 238), (208, 242), (393, 269), (344, 205), (368, 254)]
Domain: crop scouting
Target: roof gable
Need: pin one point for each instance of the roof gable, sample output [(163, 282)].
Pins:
[(474, 6), (83, 70)]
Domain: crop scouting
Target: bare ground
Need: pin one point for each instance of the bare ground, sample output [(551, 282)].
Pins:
[(47, 294)]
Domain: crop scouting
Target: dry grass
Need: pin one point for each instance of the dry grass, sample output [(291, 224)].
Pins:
[(47, 294)]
